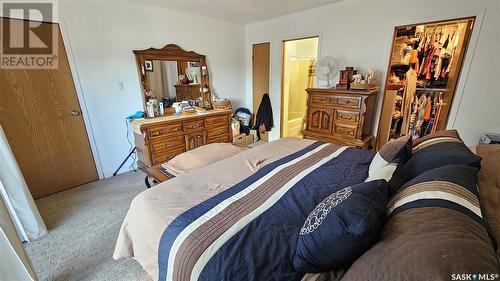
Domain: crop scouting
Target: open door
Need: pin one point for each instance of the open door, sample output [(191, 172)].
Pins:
[(43, 122)]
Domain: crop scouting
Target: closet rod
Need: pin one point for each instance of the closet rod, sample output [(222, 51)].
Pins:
[(431, 89)]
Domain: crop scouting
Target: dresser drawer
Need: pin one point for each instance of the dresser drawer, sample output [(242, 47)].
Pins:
[(319, 99), (165, 143), (354, 102), (165, 130), (194, 125), (216, 121), (343, 130), (164, 156), (216, 132), (219, 138), (346, 116)]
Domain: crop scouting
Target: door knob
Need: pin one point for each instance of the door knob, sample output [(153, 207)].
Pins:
[(75, 113)]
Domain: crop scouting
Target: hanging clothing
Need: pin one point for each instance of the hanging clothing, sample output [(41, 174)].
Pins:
[(427, 115), (422, 104), (414, 58), (264, 118), (409, 93)]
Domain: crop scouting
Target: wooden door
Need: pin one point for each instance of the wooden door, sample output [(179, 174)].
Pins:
[(196, 139), (260, 75), (41, 117), (320, 120)]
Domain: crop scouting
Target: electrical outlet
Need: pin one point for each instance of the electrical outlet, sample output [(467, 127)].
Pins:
[(120, 86)]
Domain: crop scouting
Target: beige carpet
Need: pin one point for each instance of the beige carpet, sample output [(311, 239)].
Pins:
[(83, 224)]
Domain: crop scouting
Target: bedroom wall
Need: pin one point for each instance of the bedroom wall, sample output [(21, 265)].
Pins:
[(359, 33), (102, 36)]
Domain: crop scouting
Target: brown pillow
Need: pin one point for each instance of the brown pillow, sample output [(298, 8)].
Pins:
[(436, 137), (426, 244), (201, 156)]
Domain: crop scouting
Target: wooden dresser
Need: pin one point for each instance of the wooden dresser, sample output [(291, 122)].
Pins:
[(162, 138), (339, 116), (187, 92)]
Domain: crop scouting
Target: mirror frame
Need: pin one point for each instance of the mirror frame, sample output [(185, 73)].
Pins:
[(171, 52)]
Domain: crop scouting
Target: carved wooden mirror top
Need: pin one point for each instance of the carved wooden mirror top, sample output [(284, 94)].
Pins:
[(196, 84)]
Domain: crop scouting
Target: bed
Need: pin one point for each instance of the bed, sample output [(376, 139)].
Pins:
[(239, 218)]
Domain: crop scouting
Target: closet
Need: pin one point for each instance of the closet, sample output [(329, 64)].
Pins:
[(424, 67)]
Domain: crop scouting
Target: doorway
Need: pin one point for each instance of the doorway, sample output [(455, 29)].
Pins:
[(299, 61), (42, 120)]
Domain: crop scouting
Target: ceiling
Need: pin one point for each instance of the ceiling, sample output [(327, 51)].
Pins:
[(238, 11)]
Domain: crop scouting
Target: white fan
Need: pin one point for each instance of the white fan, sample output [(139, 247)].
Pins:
[(326, 69)]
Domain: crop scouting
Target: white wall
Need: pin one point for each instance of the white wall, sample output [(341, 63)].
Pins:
[(102, 35), (359, 34)]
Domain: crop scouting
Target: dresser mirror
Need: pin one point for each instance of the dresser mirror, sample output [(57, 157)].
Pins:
[(173, 74), (178, 80)]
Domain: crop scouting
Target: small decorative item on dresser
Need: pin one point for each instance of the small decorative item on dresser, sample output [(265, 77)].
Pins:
[(346, 78), (363, 82), (340, 116), (221, 103)]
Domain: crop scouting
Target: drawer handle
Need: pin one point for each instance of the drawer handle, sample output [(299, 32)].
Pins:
[(345, 131), (169, 145), (346, 117), (194, 126), (155, 133)]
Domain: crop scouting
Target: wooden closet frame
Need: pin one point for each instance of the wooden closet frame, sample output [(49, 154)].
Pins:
[(471, 20)]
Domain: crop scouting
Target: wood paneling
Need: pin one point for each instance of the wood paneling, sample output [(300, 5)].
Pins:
[(50, 144), (260, 75)]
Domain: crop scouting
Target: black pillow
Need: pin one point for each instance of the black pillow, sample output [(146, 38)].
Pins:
[(342, 227), (439, 152)]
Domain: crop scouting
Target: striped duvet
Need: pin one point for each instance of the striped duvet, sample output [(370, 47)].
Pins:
[(249, 230)]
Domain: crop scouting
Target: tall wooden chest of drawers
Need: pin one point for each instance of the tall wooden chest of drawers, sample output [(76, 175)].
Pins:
[(339, 116), (160, 139)]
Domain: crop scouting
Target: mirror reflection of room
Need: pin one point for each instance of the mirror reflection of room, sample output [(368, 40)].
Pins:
[(174, 81), (424, 67)]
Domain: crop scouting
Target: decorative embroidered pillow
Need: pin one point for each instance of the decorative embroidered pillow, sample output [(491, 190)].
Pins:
[(342, 227)]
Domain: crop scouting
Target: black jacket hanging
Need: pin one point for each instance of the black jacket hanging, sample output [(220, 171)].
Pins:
[(264, 114)]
